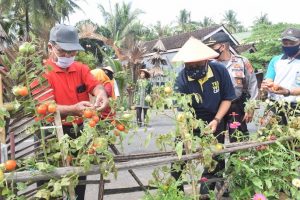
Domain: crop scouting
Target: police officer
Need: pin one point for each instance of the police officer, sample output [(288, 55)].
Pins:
[(243, 79), (212, 82)]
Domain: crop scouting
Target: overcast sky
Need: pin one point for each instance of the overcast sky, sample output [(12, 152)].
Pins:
[(166, 11)]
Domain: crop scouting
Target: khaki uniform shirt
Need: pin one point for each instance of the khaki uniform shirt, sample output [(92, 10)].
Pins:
[(242, 76)]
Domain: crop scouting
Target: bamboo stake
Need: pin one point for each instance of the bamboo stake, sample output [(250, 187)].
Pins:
[(58, 172), (2, 129), (60, 133)]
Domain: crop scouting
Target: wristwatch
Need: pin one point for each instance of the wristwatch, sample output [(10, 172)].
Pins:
[(288, 93)]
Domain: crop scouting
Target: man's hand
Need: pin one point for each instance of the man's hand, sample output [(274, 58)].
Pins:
[(81, 106), (213, 125), (101, 101), (248, 117)]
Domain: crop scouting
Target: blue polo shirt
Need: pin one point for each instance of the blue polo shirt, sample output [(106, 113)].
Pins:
[(215, 87)]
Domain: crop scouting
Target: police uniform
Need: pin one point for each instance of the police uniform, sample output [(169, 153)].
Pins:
[(245, 84)]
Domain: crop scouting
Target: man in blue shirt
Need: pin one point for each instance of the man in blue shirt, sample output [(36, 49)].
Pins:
[(284, 70), (212, 82)]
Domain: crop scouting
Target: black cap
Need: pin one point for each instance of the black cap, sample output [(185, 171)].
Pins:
[(292, 34), (219, 37)]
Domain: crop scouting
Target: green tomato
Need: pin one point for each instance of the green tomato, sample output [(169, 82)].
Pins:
[(148, 98)]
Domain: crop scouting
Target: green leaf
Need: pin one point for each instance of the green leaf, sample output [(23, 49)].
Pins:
[(43, 193), (21, 186), (65, 182), (257, 182), (268, 183), (179, 148)]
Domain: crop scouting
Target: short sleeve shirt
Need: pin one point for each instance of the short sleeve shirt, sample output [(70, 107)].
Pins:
[(70, 86)]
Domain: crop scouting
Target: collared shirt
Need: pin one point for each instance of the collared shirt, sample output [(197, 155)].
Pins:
[(214, 88), (70, 86), (286, 73), (242, 76)]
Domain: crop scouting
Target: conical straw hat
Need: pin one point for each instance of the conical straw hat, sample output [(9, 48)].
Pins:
[(109, 68), (194, 50)]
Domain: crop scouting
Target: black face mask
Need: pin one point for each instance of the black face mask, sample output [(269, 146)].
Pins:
[(218, 51), (291, 50), (196, 73)]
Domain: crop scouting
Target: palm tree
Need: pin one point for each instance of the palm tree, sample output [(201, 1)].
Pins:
[(184, 22), (262, 19), (230, 21), (161, 30), (120, 20), (206, 22), (28, 15)]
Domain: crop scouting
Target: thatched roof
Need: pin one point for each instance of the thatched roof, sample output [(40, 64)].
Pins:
[(159, 46), (177, 41)]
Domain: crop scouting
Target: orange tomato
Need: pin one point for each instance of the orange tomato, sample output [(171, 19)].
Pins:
[(88, 114), (120, 127), (10, 165), (91, 151), (96, 118), (52, 108), (92, 123), (22, 91), (42, 109)]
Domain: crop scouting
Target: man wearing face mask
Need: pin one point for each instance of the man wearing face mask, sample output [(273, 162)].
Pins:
[(71, 82), (243, 79), (284, 70), (212, 82)]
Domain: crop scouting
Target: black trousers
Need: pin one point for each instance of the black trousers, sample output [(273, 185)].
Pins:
[(208, 174), (139, 115), (79, 189), (237, 107)]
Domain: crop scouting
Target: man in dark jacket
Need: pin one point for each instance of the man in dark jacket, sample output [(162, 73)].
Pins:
[(212, 82)]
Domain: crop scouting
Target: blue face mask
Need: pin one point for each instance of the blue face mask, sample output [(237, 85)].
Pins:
[(65, 62), (291, 50)]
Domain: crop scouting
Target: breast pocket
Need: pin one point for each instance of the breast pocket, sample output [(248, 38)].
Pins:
[(84, 96)]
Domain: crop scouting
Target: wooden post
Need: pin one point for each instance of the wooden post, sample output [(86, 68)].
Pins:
[(2, 129), (101, 188), (60, 133)]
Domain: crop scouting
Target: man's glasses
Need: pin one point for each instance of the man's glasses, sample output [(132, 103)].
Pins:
[(61, 51)]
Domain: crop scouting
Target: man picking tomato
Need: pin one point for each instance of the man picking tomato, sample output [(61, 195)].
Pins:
[(71, 81)]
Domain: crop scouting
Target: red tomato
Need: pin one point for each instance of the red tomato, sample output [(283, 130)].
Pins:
[(120, 127), (10, 165), (52, 108), (50, 119), (95, 118), (42, 109), (92, 123), (88, 114), (22, 91)]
